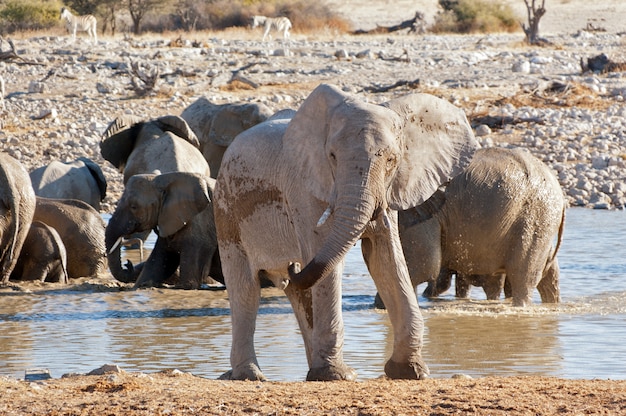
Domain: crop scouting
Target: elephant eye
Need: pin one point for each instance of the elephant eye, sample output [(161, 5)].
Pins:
[(391, 162), (333, 157)]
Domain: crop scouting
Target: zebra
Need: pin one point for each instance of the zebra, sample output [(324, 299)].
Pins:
[(278, 23), (86, 23)]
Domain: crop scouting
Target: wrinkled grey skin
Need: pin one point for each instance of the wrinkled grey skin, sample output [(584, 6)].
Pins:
[(80, 179), (499, 217), (177, 205), (165, 144), (82, 231), (162, 145), (295, 194), (43, 257), (17, 204), (216, 125)]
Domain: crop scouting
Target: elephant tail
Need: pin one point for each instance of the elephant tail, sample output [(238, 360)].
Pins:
[(559, 239)]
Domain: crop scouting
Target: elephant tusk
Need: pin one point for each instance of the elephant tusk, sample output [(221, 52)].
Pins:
[(117, 243), (324, 217)]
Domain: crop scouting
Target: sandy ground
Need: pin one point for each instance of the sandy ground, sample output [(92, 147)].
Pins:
[(175, 393)]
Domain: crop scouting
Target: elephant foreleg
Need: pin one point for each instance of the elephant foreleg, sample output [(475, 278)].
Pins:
[(244, 291), (385, 260), (318, 311), (161, 264)]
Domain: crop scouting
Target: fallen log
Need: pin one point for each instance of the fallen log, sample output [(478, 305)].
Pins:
[(402, 83), (415, 25)]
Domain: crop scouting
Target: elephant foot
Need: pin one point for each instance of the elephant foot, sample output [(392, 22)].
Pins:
[(331, 373), (407, 371), (249, 373)]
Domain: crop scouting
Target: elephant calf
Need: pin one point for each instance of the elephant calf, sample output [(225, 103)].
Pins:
[(43, 257), (499, 217), (177, 205)]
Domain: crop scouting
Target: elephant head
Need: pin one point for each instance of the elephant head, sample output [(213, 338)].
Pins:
[(123, 134), (165, 203), (370, 158)]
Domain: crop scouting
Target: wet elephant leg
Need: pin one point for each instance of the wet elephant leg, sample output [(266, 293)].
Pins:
[(384, 257), (548, 286), (319, 316), (159, 266), (244, 293)]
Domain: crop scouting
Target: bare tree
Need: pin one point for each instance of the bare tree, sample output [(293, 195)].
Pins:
[(535, 13), (139, 8)]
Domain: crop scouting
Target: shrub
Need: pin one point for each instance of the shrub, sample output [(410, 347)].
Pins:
[(29, 15), (474, 16)]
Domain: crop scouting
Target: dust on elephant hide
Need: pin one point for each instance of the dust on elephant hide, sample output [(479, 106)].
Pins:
[(17, 205), (294, 194), (43, 257), (217, 125), (80, 179), (177, 205), (165, 144), (499, 217), (82, 231)]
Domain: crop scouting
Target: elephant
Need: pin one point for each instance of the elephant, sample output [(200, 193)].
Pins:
[(82, 231), (178, 206), (351, 165), (216, 125), (17, 206), (495, 221), (165, 144), (43, 257), (80, 179)]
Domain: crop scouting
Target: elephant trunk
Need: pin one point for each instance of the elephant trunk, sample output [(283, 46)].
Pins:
[(113, 238), (355, 208)]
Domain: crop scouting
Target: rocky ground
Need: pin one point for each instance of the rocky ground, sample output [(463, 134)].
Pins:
[(60, 97)]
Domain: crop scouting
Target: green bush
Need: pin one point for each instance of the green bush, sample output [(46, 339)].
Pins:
[(474, 16), (19, 15)]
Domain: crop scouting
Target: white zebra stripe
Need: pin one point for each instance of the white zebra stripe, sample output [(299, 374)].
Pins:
[(277, 23), (86, 23)]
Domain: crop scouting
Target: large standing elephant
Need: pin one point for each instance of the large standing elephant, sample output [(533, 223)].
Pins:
[(498, 218), (80, 179), (303, 191), (17, 205), (82, 231), (178, 206), (216, 125), (165, 144), (43, 257)]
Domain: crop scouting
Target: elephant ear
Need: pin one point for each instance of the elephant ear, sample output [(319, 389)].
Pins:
[(179, 127), (118, 140), (232, 119), (97, 174), (439, 144), (306, 138), (185, 195)]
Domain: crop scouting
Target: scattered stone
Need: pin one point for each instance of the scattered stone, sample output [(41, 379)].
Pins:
[(105, 369)]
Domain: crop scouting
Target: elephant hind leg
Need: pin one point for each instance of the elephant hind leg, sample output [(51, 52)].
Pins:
[(548, 286)]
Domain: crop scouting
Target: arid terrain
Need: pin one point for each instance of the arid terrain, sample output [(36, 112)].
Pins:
[(58, 105)]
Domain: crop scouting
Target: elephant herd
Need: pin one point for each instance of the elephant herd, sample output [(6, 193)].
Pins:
[(284, 202)]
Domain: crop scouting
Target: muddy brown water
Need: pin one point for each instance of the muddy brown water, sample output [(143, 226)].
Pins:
[(88, 324)]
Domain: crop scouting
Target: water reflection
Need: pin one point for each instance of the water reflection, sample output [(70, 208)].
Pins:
[(79, 328)]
